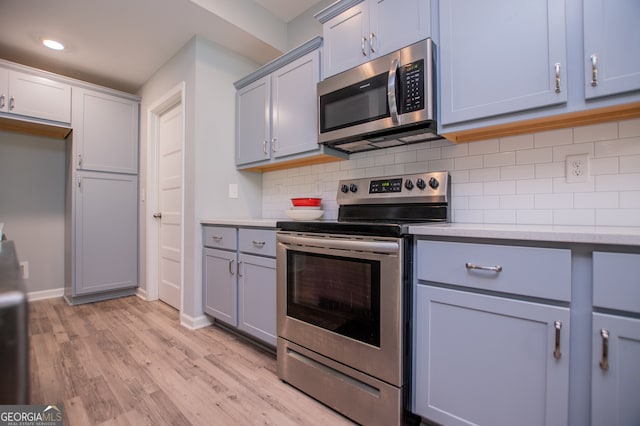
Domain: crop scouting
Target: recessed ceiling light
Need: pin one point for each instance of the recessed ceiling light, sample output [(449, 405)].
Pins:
[(52, 44)]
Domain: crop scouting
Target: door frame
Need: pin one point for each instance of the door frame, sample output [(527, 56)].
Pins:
[(173, 97)]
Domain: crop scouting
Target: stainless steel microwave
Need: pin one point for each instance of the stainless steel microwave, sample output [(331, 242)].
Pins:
[(385, 102)]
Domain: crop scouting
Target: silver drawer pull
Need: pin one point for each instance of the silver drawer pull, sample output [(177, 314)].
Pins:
[(604, 362), (594, 70), (556, 352), (258, 243), (216, 238), (557, 69), (496, 268), (231, 262)]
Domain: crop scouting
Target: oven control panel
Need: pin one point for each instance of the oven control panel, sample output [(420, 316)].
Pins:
[(412, 188)]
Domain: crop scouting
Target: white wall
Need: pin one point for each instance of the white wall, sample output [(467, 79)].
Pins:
[(305, 27), (512, 180), (208, 71), (32, 194)]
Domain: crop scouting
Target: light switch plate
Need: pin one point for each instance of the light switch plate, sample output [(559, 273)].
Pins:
[(233, 190)]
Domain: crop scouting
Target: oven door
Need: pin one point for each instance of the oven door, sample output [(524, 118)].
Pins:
[(341, 297)]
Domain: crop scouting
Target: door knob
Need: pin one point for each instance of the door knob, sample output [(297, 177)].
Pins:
[(157, 215)]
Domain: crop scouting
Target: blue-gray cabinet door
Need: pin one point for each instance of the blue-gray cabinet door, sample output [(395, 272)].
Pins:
[(253, 122), (489, 360), (220, 285), (611, 47), (500, 56), (106, 232), (257, 297), (105, 132), (295, 106), (346, 40), (615, 386)]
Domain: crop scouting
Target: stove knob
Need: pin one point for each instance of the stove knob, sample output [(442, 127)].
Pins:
[(408, 184), (433, 183), (344, 188), (353, 187), (421, 184)]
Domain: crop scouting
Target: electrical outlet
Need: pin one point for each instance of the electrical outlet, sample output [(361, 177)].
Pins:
[(24, 269), (577, 168)]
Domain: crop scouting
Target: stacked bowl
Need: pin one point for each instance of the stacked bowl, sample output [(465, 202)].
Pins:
[(305, 209)]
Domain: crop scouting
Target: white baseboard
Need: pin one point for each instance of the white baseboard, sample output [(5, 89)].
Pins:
[(142, 294), (32, 296), (194, 323)]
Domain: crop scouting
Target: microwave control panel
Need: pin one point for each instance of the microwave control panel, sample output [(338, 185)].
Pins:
[(411, 82)]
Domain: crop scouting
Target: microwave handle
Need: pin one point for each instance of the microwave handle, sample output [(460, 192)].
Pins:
[(391, 92)]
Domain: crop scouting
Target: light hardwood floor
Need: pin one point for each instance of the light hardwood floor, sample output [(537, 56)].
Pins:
[(129, 362)]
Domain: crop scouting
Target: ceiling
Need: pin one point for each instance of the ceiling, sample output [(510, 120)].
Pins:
[(121, 43)]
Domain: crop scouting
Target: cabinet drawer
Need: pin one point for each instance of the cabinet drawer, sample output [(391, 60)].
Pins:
[(616, 285), (529, 271), (220, 237), (258, 241)]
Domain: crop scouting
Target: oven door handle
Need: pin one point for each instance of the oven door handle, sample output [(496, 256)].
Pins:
[(355, 245)]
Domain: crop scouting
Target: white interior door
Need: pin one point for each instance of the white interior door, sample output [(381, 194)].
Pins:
[(170, 205)]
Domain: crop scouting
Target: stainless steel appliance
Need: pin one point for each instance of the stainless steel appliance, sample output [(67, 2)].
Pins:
[(385, 102), (343, 295), (14, 333)]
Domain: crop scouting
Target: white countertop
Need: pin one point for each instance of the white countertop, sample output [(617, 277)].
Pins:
[(259, 223), (566, 234)]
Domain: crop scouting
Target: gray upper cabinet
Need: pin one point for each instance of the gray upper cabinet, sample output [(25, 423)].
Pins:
[(105, 132), (355, 32), (611, 37), (34, 96), (500, 56), (276, 113), (253, 132), (105, 233), (294, 107)]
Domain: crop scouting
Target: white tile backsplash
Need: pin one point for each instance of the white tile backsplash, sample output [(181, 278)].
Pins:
[(512, 180)]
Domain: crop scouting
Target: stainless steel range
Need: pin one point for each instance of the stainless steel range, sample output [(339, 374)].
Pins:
[(344, 294)]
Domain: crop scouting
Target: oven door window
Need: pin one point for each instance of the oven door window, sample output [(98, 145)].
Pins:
[(339, 294), (360, 103)]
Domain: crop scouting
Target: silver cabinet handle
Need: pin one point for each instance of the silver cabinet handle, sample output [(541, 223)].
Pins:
[(79, 180), (2, 101), (594, 70), (273, 145), (231, 262), (216, 238), (12, 103), (264, 147), (371, 37), (604, 361), (557, 67), (238, 269), (157, 215), (79, 160), (496, 268), (362, 46), (556, 352), (258, 243), (391, 91)]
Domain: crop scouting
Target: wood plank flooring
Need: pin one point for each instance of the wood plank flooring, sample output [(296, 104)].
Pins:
[(129, 362)]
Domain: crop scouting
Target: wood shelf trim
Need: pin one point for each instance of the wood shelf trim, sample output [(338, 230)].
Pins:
[(580, 118)]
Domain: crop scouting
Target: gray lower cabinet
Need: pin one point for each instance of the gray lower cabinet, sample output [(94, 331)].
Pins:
[(105, 235), (240, 279), (257, 297), (488, 348), (615, 381)]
